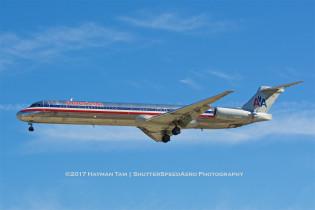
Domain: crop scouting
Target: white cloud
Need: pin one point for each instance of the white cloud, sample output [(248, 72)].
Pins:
[(191, 83), (199, 79), (88, 133), (53, 41), (68, 138), (224, 75), (11, 107), (284, 125), (174, 22), (39, 200)]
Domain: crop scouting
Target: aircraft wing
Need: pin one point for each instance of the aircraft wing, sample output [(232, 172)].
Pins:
[(186, 114), (155, 126)]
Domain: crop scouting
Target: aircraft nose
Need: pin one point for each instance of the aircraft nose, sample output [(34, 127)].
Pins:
[(19, 115), (23, 116)]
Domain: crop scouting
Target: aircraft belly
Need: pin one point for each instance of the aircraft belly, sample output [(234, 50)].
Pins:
[(84, 118)]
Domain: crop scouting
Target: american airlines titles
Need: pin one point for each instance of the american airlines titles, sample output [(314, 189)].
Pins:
[(81, 103)]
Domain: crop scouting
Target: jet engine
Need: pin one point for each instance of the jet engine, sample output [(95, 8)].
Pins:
[(232, 114)]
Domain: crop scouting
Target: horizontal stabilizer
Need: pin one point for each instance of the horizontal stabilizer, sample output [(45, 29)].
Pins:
[(265, 97), (286, 85)]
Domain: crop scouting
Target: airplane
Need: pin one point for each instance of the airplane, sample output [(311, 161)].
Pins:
[(157, 121)]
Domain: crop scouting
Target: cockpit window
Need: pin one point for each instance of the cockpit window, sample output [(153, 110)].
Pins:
[(37, 104)]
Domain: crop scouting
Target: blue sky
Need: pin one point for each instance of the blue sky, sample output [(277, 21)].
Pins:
[(157, 52)]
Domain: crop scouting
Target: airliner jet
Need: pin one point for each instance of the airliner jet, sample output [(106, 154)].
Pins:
[(157, 121)]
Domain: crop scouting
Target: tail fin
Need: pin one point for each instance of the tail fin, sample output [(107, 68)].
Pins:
[(265, 97)]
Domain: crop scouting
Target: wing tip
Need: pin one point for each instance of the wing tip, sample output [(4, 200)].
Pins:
[(297, 82), (228, 92), (223, 94)]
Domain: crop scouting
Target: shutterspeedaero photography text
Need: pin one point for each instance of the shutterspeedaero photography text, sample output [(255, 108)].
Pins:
[(140, 174)]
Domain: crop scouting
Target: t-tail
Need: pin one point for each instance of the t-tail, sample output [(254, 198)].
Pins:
[(265, 97)]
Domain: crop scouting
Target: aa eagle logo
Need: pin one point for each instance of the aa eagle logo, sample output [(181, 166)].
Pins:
[(259, 102)]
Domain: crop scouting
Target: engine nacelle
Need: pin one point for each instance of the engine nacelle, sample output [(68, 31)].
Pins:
[(232, 114)]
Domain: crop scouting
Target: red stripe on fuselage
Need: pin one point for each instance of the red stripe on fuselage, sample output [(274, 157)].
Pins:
[(100, 111)]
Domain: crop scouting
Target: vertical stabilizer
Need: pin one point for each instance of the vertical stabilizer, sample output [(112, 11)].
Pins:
[(265, 97)]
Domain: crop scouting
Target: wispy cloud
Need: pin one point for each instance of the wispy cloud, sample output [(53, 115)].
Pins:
[(190, 83), (40, 200), (89, 133), (177, 23), (60, 138), (11, 107), (283, 126), (200, 79), (225, 76), (53, 41)]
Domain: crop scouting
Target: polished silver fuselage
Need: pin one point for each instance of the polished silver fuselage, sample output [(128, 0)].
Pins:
[(123, 114), (159, 122)]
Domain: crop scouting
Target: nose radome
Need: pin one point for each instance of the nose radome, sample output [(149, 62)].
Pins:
[(24, 116), (19, 115)]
